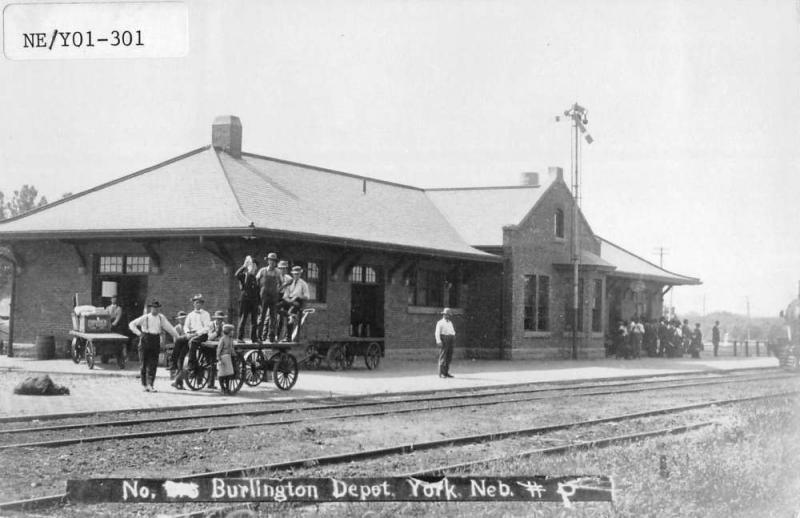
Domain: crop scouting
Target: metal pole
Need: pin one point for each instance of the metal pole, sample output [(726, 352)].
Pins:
[(575, 242)]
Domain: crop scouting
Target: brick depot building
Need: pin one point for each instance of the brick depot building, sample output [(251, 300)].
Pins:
[(381, 259)]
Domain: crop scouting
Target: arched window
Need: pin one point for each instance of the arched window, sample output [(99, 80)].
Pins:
[(559, 223)]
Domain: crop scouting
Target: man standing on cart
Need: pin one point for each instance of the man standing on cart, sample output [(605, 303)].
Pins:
[(196, 328), (270, 280), (149, 327), (248, 298), (294, 298)]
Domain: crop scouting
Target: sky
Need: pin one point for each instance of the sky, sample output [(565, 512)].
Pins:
[(693, 107)]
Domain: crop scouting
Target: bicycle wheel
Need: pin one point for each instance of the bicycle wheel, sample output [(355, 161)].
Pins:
[(285, 371), (197, 377), (255, 368)]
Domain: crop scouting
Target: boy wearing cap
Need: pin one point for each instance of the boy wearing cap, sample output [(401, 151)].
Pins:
[(149, 327), (196, 327), (248, 298), (270, 280), (445, 338)]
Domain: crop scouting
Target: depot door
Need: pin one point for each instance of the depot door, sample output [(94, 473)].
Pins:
[(366, 302)]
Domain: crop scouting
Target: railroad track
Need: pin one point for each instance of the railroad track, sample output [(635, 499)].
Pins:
[(277, 467), (510, 388), (606, 389)]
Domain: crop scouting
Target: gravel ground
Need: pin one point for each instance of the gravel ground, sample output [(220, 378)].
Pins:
[(31, 472)]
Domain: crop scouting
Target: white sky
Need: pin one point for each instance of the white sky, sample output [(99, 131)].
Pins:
[(694, 107)]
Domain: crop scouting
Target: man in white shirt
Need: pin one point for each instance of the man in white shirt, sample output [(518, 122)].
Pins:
[(196, 328), (149, 327), (445, 338), (294, 298)]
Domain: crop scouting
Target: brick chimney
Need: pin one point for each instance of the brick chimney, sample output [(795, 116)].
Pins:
[(226, 135), (529, 179), (555, 173)]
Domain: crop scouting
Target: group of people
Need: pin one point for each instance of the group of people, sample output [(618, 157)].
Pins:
[(662, 338), (267, 295)]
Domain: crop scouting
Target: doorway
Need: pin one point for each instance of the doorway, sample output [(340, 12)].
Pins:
[(131, 295), (366, 302)]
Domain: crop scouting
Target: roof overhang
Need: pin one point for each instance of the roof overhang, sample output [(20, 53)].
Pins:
[(247, 232), (671, 281)]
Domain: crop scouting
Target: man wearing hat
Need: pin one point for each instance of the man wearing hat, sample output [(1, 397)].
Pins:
[(270, 280), (295, 296), (149, 327), (445, 338), (196, 328)]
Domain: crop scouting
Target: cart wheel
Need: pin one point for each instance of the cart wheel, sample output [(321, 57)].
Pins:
[(198, 377), (373, 356), (254, 368), (335, 357), (76, 349), (285, 371), (89, 353), (121, 358), (232, 384), (349, 356), (313, 357)]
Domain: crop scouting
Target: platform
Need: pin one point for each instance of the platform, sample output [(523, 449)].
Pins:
[(107, 388)]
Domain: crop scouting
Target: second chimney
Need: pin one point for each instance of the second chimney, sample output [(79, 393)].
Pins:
[(530, 179), (226, 135)]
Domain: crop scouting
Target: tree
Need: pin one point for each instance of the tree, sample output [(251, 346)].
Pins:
[(24, 200), (2, 206)]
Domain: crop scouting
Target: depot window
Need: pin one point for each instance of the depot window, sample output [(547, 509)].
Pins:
[(124, 264)]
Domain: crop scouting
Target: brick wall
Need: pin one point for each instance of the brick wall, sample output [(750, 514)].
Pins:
[(50, 278), (531, 248)]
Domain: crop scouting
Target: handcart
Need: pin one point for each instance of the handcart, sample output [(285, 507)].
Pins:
[(92, 337)]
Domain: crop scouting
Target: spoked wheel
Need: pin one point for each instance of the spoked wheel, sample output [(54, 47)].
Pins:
[(254, 368), (349, 356), (76, 349), (285, 371), (335, 357), (232, 384), (373, 356), (89, 353), (313, 357), (198, 377)]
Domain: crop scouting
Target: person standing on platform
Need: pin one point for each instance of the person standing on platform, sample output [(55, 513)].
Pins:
[(697, 341), (149, 327), (637, 336), (715, 337), (270, 280), (295, 296), (664, 334), (445, 338), (248, 298), (196, 328)]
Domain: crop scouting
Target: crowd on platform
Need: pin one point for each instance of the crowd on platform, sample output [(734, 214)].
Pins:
[(662, 338)]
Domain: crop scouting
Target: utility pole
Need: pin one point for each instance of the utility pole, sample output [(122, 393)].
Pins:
[(747, 300), (661, 251), (577, 114)]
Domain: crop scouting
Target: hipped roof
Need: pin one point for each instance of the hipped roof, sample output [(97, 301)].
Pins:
[(209, 192)]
